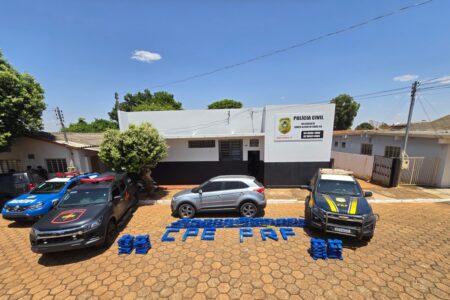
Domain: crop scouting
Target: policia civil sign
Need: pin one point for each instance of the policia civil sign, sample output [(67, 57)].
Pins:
[(299, 127)]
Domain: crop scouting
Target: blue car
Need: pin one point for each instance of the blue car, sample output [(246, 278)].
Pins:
[(40, 200)]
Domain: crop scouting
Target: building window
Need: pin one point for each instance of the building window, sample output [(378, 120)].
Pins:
[(56, 165), (254, 143), (366, 149), (230, 150), (202, 144), (391, 151), (336, 143), (7, 165), (343, 144)]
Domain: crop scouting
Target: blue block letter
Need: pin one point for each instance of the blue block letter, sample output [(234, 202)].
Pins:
[(245, 232), (166, 237), (208, 234), (190, 232), (269, 233), (285, 232)]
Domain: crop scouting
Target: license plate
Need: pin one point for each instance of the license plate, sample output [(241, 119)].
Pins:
[(343, 230)]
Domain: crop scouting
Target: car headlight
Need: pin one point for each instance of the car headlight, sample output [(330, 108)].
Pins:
[(369, 219), (36, 206), (33, 231), (93, 225)]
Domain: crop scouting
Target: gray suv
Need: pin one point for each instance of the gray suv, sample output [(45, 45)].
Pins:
[(222, 193)]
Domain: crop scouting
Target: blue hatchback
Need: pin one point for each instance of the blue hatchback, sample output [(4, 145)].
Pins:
[(41, 199)]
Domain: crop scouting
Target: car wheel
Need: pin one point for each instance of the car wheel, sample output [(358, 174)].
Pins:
[(186, 211), (111, 233), (248, 210)]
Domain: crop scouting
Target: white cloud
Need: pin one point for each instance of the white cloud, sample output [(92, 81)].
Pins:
[(406, 77), (146, 56), (443, 79)]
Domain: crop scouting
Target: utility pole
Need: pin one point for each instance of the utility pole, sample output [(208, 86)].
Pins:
[(405, 161), (60, 117)]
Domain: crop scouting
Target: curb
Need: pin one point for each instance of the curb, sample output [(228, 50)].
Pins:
[(293, 201)]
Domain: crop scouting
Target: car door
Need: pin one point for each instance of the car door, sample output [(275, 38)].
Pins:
[(118, 204), (231, 192), (210, 196)]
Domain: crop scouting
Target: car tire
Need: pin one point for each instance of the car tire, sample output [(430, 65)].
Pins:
[(186, 211), (111, 233), (248, 210)]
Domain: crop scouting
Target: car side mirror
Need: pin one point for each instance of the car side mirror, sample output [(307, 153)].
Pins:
[(306, 187), (200, 191), (54, 204), (368, 194)]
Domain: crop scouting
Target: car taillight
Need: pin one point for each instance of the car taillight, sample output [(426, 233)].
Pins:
[(30, 186), (260, 190)]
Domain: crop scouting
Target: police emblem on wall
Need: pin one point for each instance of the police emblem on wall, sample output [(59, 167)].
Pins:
[(284, 125), (68, 216)]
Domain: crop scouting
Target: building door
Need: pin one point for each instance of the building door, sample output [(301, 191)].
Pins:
[(253, 163)]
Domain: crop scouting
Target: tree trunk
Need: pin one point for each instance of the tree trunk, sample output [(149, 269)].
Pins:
[(148, 181)]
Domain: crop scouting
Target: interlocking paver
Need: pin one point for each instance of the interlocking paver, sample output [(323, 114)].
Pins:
[(407, 258)]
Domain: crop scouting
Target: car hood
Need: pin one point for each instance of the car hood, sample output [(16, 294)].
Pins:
[(65, 218), (30, 199), (342, 204), (183, 193)]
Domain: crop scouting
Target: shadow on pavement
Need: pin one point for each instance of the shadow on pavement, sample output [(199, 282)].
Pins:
[(23, 224), (347, 241)]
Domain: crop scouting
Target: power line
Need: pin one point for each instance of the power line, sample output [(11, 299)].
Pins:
[(294, 46)]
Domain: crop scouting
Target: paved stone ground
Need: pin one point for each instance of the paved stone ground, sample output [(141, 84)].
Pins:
[(409, 257)]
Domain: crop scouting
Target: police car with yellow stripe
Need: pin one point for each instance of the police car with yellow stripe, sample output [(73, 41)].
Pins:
[(337, 204)]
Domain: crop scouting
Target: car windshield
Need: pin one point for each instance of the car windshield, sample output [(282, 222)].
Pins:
[(85, 197), (48, 188), (197, 188), (348, 188)]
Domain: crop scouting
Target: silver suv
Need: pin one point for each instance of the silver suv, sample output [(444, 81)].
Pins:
[(222, 193)]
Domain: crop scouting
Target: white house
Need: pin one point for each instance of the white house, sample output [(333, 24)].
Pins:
[(50, 151), (428, 147), (281, 145)]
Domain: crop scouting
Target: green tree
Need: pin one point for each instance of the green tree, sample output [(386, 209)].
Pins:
[(364, 126), (98, 125), (145, 101), (345, 111), (225, 103), (136, 150), (21, 104)]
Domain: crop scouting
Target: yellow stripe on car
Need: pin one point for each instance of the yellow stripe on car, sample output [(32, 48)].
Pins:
[(353, 206), (311, 200), (331, 203)]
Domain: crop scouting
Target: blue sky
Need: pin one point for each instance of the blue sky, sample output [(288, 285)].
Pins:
[(81, 52)]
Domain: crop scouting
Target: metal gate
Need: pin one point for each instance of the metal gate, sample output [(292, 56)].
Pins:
[(421, 171), (383, 170)]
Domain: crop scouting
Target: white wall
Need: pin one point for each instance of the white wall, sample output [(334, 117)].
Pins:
[(417, 147), (42, 150), (361, 165), (179, 150), (300, 150)]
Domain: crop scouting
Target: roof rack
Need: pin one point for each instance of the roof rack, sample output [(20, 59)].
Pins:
[(335, 172), (97, 179), (67, 174)]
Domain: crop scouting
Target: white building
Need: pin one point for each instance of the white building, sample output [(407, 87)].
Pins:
[(50, 151), (280, 145), (428, 150)]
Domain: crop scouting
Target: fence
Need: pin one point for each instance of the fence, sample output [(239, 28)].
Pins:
[(361, 165), (421, 171)]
